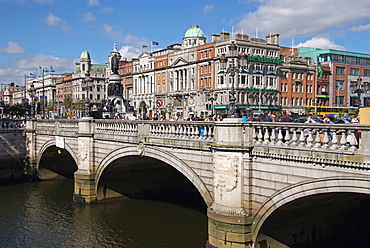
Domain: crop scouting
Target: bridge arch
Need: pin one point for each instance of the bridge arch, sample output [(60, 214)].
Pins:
[(51, 143), (68, 158), (304, 189), (163, 156)]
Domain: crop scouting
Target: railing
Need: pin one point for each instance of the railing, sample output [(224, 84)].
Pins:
[(199, 130), (320, 136), (12, 123), (118, 127), (290, 135)]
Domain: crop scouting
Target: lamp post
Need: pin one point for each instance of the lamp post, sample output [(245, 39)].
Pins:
[(43, 89), (32, 93), (359, 88), (211, 96), (86, 84), (31, 76), (232, 70)]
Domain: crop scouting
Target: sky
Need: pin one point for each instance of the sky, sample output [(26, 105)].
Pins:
[(55, 32)]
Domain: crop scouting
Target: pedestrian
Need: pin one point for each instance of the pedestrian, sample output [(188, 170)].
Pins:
[(267, 117), (244, 118), (285, 117)]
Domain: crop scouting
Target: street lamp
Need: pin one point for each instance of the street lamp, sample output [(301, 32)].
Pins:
[(232, 70), (32, 93), (87, 84), (43, 89), (359, 88), (211, 96), (31, 76)]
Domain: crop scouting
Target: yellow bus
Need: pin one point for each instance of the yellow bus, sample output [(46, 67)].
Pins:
[(337, 112)]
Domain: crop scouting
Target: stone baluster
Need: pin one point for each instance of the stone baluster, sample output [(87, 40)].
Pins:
[(317, 138), (254, 135), (287, 136), (352, 141), (325, 140), (260, 135), (266, 137), (205, 132), (211, 132), (309, 139), (167, 130), (173, 130), (280, 137), (180, 130), (343, 141), (273, 137), (302, 138), (334, 141), (294, 138), (190, 131), (196, 132)]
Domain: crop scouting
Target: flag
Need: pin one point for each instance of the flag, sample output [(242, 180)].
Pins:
[(40, 67), (320, 70), (32, 74), (51, 69), (154, 43), (144, 46)]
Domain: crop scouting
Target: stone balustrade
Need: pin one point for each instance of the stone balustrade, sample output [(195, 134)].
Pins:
[(290, 135)]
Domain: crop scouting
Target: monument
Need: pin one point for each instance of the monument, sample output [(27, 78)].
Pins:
[(115, 105)]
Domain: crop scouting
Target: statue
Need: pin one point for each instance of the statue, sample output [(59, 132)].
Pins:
[(114, 64)]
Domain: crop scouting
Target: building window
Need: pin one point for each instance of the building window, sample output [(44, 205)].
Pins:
[(366, 73), (354, 71), (340, 100), (339, 85), (340, 70)]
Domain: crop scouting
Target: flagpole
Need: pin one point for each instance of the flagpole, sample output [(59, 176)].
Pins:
[(317, 79)]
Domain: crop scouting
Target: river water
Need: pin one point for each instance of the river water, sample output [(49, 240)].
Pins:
[(42, 214)]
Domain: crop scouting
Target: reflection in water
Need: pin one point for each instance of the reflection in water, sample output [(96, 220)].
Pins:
[(42, 214)]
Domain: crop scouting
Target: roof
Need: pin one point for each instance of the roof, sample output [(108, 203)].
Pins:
[(194, 31), (85, 55)]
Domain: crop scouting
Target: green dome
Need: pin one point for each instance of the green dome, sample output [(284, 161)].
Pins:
[(85, 55), (194, 31)]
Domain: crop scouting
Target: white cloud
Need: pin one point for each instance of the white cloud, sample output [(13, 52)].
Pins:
[(361, 28), (89, 17), (208, 8), (321, 42), (14, 70), (294, 18), (132, 44), (54, 21), (106, 10), (129, 52), (93, 2), (12, 48)]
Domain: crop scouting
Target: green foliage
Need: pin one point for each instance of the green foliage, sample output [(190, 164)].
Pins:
[(20, 110)]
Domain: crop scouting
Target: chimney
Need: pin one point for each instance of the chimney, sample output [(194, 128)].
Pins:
[(215, 37), (225, 35), (241, 36), (273, 39)]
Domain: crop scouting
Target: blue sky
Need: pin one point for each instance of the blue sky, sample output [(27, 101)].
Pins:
[(55, 32)]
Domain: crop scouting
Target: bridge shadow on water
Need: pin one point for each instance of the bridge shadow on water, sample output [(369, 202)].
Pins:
[(322, 221), (132, 177), (146, 178)]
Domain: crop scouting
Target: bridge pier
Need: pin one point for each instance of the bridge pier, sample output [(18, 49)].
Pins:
[(85, 183), (84, 188), (228, 231), (30, 160), (229, 225)]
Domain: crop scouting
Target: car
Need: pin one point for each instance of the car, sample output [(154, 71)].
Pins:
[(341, 121), (300, 120)]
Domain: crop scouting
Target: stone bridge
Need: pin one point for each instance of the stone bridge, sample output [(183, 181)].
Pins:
[(264, 184)]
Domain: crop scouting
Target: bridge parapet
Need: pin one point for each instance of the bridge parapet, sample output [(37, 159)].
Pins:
[(323, 136)]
